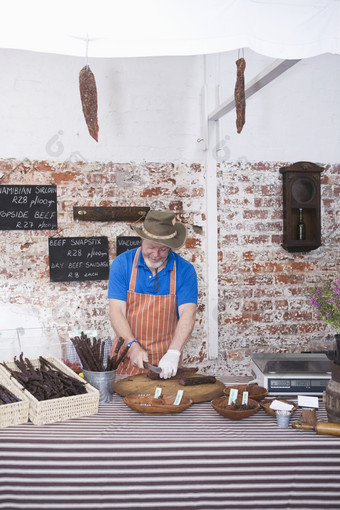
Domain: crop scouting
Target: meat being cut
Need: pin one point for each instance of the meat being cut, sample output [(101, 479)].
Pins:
[(239, 95), (182, 373), (88, 95)]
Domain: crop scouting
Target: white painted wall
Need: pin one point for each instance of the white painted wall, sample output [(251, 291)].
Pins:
[(294, 118), (150, 109)]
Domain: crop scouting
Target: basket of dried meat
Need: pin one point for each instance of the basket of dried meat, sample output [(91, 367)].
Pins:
[(13, 403), (237, 410), (55, 393)]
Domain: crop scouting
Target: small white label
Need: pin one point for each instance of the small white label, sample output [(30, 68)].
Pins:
[(178, 397), (158, 392), (232, 396), (245, 398), (304, 401)]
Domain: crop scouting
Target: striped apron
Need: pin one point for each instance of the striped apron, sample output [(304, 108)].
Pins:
[(152, 319)]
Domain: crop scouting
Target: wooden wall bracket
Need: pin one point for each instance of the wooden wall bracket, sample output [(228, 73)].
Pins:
[(110, 213)]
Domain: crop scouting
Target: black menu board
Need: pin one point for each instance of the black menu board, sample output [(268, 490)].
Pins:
[(28, 207), (125, 243), (78, 258)]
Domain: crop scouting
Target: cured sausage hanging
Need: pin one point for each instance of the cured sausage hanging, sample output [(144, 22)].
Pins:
[(239, 95), (88, 95)]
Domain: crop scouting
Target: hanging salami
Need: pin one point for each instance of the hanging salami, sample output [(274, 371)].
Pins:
[(240, 99), (88, 95)]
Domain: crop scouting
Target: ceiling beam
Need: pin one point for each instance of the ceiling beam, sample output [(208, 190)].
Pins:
[(266, 76)]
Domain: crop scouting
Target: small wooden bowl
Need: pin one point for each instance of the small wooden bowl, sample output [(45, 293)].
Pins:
[(255, 392), (221, 407), (148, 404), (265, 405)]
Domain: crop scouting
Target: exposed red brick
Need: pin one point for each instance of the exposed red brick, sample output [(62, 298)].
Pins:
[(250, 306), (59, 178), (154, 192), (191, 243)]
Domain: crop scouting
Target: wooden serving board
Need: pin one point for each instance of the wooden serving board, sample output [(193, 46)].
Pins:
[(144, 385)]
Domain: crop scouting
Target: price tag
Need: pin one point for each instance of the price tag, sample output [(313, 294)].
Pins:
[(232, 396), (178, 397), (158, 392), (245, 398), (312, 402)]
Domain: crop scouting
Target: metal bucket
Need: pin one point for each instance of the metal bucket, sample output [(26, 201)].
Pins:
[(103, 381), (332, 395)]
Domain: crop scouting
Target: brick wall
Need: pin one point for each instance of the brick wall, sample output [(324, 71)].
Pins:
[(261, 286)]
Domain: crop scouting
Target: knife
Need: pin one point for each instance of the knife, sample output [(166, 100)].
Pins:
[(157, 370)]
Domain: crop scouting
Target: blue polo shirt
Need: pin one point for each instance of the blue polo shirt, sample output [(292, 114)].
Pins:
[(120, 274)]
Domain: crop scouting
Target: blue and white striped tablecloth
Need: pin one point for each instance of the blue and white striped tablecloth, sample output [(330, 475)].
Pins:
[(120, 459)]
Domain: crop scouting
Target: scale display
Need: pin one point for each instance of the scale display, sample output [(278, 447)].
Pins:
[(292, 374), (297, 385)]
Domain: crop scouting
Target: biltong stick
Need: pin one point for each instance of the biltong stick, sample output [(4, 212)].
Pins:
[(192, 381), (239, 95), (7, 396), (88, 95), (119, 343), (121, 357), (101, 355)]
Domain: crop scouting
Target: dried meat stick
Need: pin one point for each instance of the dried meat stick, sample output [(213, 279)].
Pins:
[(239, 95), (88, 95)]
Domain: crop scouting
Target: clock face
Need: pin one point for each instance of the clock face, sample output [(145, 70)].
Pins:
[(303, 190)]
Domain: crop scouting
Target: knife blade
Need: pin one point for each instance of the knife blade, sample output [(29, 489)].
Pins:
[(157, 370)]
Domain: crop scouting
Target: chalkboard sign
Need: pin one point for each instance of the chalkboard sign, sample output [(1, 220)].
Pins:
[(28, 207), (78, 258), (125, 243)]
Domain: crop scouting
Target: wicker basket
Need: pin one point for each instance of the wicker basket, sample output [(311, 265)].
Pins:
[(17, 412), (42, 412)]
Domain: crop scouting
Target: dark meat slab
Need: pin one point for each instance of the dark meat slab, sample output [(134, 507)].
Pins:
[(182, 373)]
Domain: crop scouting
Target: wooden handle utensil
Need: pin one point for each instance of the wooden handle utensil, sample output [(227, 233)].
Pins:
[(321, 427)]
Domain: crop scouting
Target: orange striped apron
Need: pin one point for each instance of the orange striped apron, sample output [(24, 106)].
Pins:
[(152, 319)]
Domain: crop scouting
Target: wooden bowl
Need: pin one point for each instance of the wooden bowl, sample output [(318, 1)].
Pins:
[(148, 404), (255, 392), (221, 407), (265, 405)]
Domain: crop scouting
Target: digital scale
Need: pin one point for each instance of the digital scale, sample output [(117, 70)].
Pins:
[(292, 374)]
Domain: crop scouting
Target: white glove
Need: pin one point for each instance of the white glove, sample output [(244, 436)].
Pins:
[(169, 364)]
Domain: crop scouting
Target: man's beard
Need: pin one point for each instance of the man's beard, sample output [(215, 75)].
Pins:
[(153, 265)]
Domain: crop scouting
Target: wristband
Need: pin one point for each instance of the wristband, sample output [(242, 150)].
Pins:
[(132, 342)]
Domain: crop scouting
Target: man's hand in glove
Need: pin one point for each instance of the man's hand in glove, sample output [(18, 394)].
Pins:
[(169, 364)]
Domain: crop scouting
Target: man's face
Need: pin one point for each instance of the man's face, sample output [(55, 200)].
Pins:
[(155, 254)]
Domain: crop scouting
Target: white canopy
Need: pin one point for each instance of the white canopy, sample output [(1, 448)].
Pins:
[(286, 29)]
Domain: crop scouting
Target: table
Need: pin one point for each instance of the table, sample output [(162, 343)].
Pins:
[(120, 459)]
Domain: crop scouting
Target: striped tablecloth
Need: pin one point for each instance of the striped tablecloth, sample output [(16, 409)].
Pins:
[(120, 459)]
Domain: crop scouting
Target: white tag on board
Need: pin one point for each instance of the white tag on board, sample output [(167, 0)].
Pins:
[(178, 397), (158, 392)]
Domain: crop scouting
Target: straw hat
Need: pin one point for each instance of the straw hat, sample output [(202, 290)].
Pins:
[(161, 227)]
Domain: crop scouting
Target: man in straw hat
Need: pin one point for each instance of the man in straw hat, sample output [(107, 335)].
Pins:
[(153, 296)]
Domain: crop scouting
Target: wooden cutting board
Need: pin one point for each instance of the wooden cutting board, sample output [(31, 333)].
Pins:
[(144, 385)]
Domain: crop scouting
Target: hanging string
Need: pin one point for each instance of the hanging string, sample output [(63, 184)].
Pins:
[(156, 282), (240, 53), (87, 51), (87, 40)]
